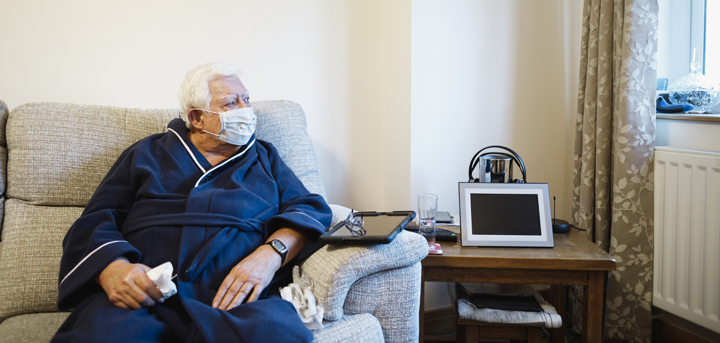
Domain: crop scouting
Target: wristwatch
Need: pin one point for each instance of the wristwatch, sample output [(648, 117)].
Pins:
[(280, 248)]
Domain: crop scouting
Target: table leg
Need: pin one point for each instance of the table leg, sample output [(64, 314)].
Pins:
[(559, 300), (472, 334), (593, 311), (422, 306)]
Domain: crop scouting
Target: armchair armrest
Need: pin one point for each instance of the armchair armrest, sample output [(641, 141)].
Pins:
[(334, 269)]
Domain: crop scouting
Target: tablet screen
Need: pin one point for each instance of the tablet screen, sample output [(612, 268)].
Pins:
[(374, 226)]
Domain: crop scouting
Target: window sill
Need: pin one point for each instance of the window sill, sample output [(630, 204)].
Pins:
[(690, 117)]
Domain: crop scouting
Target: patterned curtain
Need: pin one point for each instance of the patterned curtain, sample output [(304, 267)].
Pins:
[(614, 146)]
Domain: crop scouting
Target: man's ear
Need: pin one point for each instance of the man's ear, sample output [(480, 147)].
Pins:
[(195, 117)]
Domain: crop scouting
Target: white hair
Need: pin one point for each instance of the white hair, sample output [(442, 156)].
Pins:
[(194, 91)]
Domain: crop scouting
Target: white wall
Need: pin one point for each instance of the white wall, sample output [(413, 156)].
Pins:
[(492, 73), (398, 94), (345, 62), (484, 73), (685, 134)]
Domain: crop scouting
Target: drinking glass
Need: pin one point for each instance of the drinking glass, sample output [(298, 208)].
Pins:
[(427, 208)]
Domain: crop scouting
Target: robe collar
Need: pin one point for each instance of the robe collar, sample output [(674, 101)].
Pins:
[(178, 128)]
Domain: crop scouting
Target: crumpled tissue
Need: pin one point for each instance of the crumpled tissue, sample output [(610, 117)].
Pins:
[(299, 293), (162, 277)]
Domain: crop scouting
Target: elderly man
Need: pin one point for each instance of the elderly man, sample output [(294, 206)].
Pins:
[(218, 204)]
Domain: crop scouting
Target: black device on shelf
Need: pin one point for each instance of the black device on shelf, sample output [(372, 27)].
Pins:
[(440, 234)]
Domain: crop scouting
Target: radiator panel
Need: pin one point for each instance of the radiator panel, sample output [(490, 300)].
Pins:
[(686, 275)]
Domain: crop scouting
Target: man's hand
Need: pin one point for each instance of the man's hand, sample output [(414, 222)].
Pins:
[(128, 286), (249, 277)]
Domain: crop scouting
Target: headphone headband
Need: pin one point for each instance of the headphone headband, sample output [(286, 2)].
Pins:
[(515, 157)]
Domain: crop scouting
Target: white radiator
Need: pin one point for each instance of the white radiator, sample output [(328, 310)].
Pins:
[(687, 235)]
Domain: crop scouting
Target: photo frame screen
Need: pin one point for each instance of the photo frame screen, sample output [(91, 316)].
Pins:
[(505, 214)]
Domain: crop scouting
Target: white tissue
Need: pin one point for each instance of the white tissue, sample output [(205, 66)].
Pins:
[(162, 277), (299, 293)]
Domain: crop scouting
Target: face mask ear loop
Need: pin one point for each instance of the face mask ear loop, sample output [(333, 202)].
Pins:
[(217, 136), (204, 112)]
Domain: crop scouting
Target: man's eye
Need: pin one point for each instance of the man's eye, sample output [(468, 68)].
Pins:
[(246, 100)]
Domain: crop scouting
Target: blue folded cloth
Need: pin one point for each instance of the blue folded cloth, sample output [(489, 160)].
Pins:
[(663, 106)]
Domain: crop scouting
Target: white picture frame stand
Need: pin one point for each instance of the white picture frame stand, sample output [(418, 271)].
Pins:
[(505, 215)]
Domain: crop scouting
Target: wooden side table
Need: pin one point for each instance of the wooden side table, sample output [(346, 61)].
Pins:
[(574, 260)]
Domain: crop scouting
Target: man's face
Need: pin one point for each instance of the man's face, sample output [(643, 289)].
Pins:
[(228, 93)]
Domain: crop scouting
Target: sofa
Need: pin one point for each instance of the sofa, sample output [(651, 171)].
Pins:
[(53, 157)]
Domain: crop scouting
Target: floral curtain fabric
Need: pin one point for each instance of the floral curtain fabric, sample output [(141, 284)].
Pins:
[(614, 146)]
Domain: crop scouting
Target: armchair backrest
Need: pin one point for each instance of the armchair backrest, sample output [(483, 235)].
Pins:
[(282, 123), (55, 155), (59, 153)]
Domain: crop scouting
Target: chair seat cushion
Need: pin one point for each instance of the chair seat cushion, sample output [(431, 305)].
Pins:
[(31, 328), (356, 328), (41, 327)]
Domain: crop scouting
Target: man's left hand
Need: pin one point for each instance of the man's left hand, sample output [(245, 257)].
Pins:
[(248, 278)]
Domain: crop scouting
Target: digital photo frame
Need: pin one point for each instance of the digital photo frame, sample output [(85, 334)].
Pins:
[(505, 214)]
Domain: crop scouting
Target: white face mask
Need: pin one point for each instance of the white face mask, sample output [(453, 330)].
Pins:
[(238, 125)]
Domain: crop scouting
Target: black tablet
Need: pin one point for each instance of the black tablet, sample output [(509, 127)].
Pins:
[(379, 228)]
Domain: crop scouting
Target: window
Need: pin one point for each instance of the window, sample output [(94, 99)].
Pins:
[(685, 32), (712, 39)]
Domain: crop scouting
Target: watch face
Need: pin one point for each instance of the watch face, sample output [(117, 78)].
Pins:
[(279, 245)]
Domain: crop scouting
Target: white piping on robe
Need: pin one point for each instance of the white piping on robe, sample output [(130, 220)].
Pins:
[(319, 223), (86, 257), (224, 163), (188, 149)]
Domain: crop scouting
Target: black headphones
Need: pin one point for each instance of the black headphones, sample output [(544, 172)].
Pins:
[(515, 157)]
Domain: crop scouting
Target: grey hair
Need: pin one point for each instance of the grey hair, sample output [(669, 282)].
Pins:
[(194, 91)]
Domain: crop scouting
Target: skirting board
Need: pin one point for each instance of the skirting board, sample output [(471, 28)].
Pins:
[(669, 328)]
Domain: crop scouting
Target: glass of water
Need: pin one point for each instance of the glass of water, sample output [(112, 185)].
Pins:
[(427, 209)]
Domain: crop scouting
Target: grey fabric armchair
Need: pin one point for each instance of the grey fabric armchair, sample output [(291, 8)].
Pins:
[(49, 171)]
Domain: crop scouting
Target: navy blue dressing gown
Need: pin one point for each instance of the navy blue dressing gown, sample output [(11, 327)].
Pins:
[(162, 201)]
